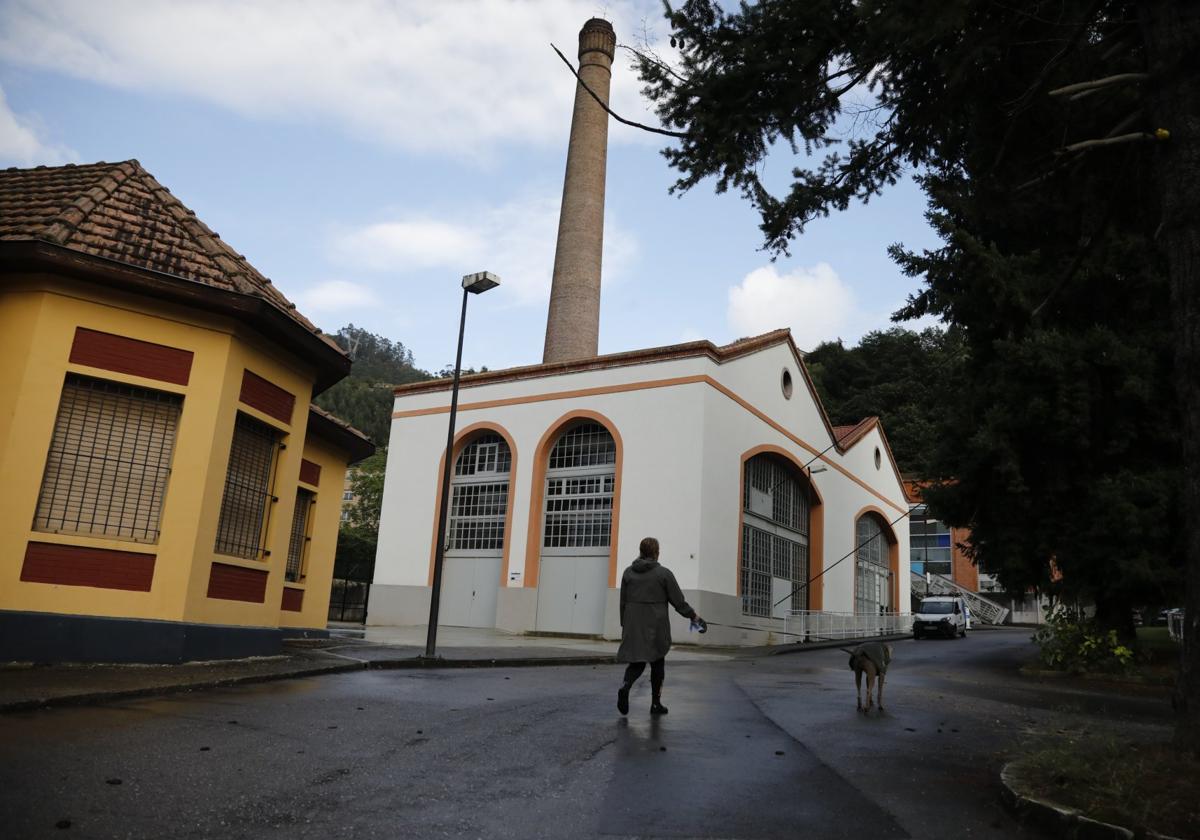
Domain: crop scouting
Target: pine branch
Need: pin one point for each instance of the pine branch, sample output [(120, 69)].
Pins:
[(1096, 84), (1120, 139), (609, 111)]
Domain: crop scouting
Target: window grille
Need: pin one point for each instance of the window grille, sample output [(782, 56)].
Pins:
[(109, 460), (580, 484), (766, 556), (298, 542), (772, 490), (775, 529), (585, 445), (241, 528), (479, 496), (487, 454), (930, 543), (873, 589)]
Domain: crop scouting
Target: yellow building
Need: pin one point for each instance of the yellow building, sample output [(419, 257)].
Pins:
[(168, 491)]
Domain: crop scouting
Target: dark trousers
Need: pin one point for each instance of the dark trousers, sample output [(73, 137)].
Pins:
[(658, 670)]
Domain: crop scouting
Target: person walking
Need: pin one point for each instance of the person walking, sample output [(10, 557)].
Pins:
[(646, 590)]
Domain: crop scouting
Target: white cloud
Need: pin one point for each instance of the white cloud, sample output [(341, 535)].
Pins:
[(20, 144), (450, 77), (515, 240), (814, 302), (335, 296)]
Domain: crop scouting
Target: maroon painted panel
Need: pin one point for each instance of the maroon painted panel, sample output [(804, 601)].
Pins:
[(74, 565), (233, 583), (129, 355), (293, 599), (310, 473), (267, 397)]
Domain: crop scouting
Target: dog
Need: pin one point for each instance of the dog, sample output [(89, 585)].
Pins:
[(872, 659)]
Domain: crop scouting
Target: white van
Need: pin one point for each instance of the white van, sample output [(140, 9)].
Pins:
[(945, 615)]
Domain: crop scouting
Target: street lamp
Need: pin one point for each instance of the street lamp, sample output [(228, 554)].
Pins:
[(473, 284)]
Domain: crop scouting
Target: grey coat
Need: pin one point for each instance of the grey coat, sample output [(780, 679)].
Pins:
[(646, 589)]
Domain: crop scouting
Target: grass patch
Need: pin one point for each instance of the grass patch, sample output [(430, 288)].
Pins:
[(1138, 786)]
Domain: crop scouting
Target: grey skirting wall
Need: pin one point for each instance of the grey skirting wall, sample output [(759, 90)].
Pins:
[(51, 637)]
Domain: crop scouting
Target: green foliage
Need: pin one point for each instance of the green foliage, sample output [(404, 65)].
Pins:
[(364, 398), (1059, 441), (905, 378), (1070, 641), (355, 558), (359, 534), (366, 482)]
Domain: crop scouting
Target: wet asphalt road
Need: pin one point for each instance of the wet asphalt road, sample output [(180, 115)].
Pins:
[(765, 748)]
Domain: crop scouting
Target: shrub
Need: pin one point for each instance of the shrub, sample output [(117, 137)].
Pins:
[(1070, 641)]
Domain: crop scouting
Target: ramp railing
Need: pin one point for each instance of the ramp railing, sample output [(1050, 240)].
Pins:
[(821, 625)]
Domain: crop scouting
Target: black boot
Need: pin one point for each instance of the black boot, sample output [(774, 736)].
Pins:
[(623, 698), (656, 706)]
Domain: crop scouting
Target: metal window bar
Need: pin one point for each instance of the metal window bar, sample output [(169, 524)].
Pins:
[(477, 517), (109, 460), (580, 485), (241, 528), (487, 454), (765, 557), (584, 445), (780, 486), (298, 541)]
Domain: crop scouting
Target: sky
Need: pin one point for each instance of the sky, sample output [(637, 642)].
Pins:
[(366, 154)]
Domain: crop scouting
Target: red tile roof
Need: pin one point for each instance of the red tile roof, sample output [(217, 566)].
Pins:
[(119, 212)]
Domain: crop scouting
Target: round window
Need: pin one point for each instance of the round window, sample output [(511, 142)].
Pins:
[(786, 383), (878, 458)]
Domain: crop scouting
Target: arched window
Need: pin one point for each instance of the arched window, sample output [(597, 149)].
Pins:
[(873, 581), (580, 478), (479, 496), (775, 532)]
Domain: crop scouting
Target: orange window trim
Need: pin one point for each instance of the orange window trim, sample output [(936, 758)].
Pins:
[(537, 497), (815, 594), (461, 439), (893, 553), (659, 383)]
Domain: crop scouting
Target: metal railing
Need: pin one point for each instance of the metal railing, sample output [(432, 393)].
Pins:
[(1175, 625), (820, 625), (982, 609)]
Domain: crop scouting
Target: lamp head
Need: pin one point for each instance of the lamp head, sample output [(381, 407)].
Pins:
[(480, 282)]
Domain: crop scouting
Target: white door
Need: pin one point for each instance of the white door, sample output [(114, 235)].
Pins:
[(577, 531), (556, 594), (475, 535), (457, 592), (591, 595)]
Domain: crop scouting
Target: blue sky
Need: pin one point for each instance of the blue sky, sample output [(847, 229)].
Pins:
[(366, 154)]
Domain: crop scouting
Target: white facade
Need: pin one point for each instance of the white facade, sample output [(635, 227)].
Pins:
[(684, 420)]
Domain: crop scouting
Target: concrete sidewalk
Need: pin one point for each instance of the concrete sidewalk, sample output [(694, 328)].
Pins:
[(349, 648), (24, 687)]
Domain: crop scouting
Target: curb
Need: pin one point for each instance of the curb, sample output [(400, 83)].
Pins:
[(516, 662), (161, 690), (1060, 820), (1112, 679), (349, 664), (802, 647)]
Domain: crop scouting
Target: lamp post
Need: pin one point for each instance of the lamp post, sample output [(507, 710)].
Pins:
[(472, 284)]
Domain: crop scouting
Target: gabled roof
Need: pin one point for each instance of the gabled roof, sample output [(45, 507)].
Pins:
[(847, 436), (118, 214), (340, 433), (670, 352)]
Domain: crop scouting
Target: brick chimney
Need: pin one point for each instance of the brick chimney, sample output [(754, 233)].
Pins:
[(573, 324)]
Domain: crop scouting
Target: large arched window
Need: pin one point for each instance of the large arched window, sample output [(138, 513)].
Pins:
[(479, 497), (873, 574), (580, 479), (775, 532)]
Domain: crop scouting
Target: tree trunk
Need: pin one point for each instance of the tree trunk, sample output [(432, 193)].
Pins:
[(1171, 29)]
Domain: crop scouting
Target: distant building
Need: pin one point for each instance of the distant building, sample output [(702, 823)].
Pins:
[(934, 546), (169, 492), (722, 453), (765, 512)]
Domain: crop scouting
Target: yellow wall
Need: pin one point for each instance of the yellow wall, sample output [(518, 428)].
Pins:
[(38, 319), (323, 530)]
